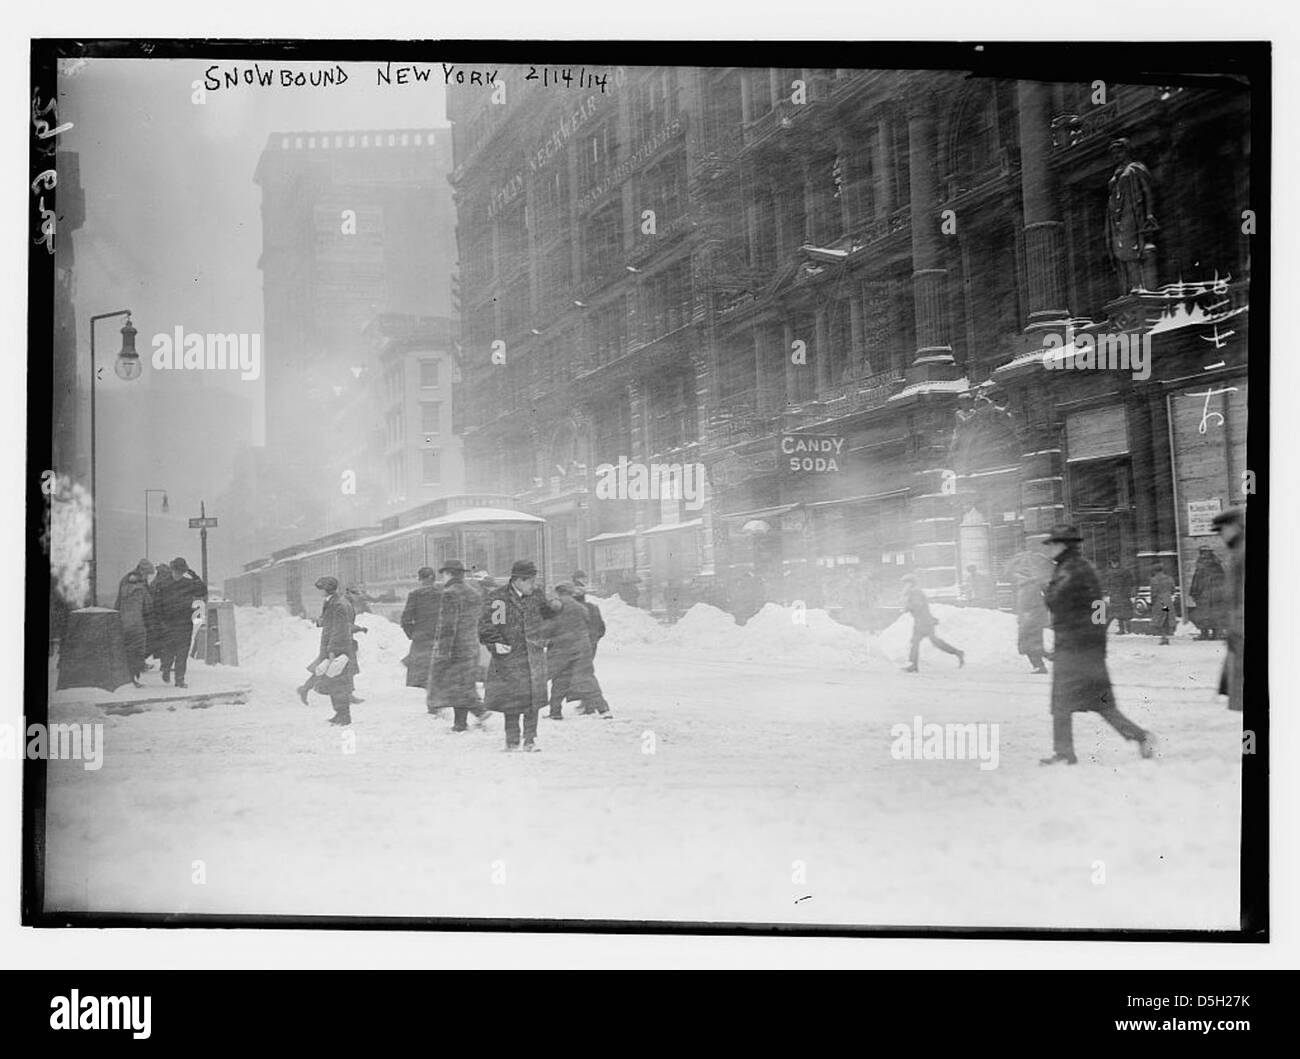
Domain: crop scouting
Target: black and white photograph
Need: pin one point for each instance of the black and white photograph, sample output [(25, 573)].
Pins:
[(583, 484)]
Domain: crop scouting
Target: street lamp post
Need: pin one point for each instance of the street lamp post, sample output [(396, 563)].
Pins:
[(127, 368), (165, 509)]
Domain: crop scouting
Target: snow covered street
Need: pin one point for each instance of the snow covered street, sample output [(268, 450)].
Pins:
[(747, 775)]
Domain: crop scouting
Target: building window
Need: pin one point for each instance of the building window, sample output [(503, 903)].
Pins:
[(431, 467), (430, 417), (667, 300), (609, 332), (598, 151), (428, 374), (603, 242)]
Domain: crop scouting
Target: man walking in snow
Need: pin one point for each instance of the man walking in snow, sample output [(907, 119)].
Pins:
[(1163, 618), (453, 652), (176, 603), (1080, 681), (336, 646), (420, 623), (923, 623), (569, 657), (510, 627), (1029, 573)]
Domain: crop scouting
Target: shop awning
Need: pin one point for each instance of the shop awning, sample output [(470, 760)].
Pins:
[(860, 499), (668, 527), (610, 536), (760, 513)]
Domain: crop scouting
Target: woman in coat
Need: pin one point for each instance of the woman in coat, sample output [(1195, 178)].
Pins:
[(135, 605), (511, 627), (1080, 680), (453, 652)]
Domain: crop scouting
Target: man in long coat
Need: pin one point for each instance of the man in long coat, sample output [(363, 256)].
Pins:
[(176, 625), (1029, 573), (1119, 596), (156, 635), (1231, 525), (453, 654), (1163, 618), (923, 623), (1080, 681), (595, 620), (510, 627), (569, 657), (1207, 590), (336, 625), (135, 605), (420, 623)]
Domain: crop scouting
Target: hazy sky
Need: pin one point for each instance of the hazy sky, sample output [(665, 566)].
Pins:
[(173, 232)]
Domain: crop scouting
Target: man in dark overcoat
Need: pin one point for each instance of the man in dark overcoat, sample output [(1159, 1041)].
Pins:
[(420, 623), (511, 628), (569, 657), (175, 619), (1119, 596), (453, 654), (1080, 681), (1029, 573), (1163, 619)]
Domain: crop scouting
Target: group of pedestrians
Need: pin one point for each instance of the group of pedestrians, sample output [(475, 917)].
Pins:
[(1059, 586), (532, 640), (156, 604)]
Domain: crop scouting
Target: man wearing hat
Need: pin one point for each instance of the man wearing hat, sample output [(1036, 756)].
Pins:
[(1207, 592), (453, 673), (1231, 525), (569, 657), (595, 620), (175, 618), (1080, 681), (510, 626), (923, 623), (420, 623)]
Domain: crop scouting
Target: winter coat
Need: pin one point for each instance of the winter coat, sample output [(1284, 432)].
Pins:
[(569, 656), (336, 618), (1029, 573), (1119, 587), (420, 623), (454, 651), (175, 601), (1080, 681), (1163, 617), (1207, 589), (595, 623), (923, 622), (1233, 679), (156, 635), (516, 681), (135, 605)]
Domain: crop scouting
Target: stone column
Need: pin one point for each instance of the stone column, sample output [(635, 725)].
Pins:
[(821, 358), (746, 98), (884, 169), (933, 358), (1044, 230), (791, 386), (860, 362)]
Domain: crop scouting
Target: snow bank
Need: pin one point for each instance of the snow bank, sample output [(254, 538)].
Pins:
[(626, 626)]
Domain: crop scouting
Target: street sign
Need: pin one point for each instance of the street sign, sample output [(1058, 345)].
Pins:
[(203, 523)]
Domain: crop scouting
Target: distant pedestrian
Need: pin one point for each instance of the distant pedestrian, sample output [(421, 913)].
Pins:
[(146, 570), (135, 606), (157, 638), (1231, 525), (1029, 573), (420, 623), (453, 671), (923, 623), (1208, 595), (1119, 596), (569, 657), (1163, 618), (176, 620), (595, 620), (511, 627), (1080, 681)]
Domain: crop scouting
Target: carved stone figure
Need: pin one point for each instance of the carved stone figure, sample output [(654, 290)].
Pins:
[(1130, 221)]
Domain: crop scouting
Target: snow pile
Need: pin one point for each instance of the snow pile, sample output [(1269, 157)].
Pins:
[(626, 626), (706, 628), (775, 634), (272, 640)]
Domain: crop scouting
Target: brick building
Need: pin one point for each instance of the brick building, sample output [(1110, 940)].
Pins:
[(758, 269)]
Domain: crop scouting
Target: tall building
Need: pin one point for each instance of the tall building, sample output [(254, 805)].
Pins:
[(356, 225), (835, 290)]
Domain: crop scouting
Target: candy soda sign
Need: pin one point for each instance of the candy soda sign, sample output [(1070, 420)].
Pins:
[(805, 454)]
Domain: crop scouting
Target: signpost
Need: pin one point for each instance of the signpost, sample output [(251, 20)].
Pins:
[(202, 523)]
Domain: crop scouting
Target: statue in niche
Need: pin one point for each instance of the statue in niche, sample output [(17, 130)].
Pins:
[(1130, 221)]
